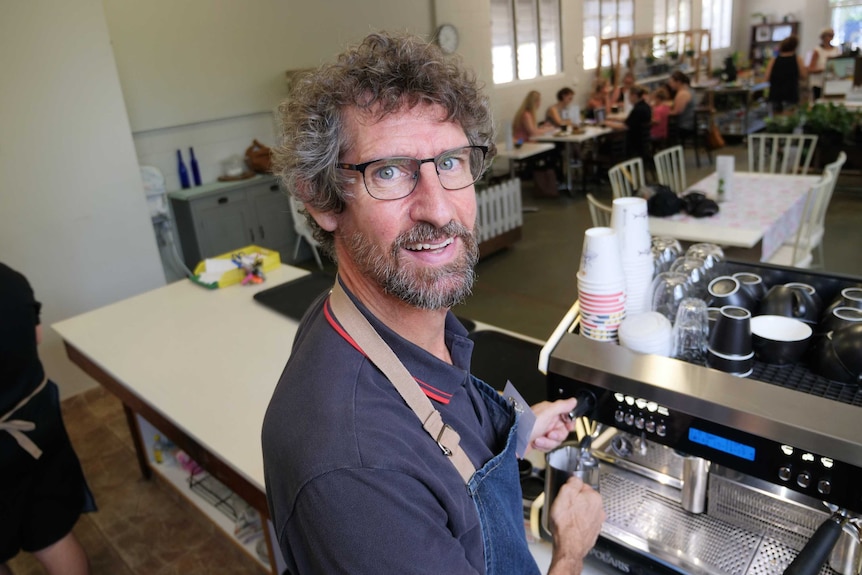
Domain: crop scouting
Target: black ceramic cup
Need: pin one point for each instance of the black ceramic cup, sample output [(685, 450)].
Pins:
[(829, 365), (789, 302), (731, 334), (752, 283), (847, 343), (727, 290), (778, 339), (809, 289), (839, 317), (849, 297), (739, 365)]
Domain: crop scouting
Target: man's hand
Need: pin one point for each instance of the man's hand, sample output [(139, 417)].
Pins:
[(575, 520), (552, 424)]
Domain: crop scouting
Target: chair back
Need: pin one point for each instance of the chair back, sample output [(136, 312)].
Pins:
[(780, 153), (599, 212), (670, 169), (802, 246), (834, 170), (627, 177), (303, 231)]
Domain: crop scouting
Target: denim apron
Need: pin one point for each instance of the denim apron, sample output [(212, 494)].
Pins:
[(494, 489)]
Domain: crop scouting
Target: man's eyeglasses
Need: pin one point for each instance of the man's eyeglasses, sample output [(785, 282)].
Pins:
[(396, 178)]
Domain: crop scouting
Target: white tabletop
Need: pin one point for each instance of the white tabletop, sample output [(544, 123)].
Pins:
[(208, 360), (763, 208), (526, 150), (589, 133)]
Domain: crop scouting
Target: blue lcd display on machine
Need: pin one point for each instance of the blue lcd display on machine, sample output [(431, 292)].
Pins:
[(722, 444)]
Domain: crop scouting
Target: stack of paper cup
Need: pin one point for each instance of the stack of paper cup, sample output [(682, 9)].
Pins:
[(601, 285), (630, 220)]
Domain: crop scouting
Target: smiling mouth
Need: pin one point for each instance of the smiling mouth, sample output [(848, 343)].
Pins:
[(428, 247)]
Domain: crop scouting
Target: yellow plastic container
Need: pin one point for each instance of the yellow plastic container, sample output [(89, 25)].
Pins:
[(271, 260)]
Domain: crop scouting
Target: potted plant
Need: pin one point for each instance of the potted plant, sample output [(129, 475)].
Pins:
[(673, 55), (835, 127)]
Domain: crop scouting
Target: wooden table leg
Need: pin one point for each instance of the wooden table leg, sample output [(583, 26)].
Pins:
[(140, 449)]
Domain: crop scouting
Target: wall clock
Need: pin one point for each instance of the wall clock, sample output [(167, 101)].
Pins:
[(447, 38)]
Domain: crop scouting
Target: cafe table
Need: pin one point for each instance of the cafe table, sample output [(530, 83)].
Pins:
[(763, 209), (575, 141), (518, 153)]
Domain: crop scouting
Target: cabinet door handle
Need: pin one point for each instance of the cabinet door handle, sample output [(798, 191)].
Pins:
[(251, 232), (223, 200), (260, 229), (274, 188)]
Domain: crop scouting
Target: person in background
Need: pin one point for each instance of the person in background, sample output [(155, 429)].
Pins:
[(383, 149), (817, 64), (620, 98), (42, 486), (525, 125), (682, 107), (637, 124), (784, 73), (660, 112), (559, 109), (599, 99)]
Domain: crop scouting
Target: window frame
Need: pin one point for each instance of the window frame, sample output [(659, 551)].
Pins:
[(524, 52), (599, 15), (721, 34)]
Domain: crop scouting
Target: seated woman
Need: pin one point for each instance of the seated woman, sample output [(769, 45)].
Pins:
[(599, 99), (620, 98), (660, 112), (557, 113), (638, 123), (524, 125), (682, 107)]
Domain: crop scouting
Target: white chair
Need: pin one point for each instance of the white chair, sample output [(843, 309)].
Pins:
[(670, 169), (821, 206), (799, 254), (600, 213), (780, 153), (627, 177), (303, 231)]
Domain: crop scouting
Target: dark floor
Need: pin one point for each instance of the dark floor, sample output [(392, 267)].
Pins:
[(144, 527)]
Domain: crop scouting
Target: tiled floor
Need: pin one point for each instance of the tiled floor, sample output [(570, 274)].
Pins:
[(144, 527)]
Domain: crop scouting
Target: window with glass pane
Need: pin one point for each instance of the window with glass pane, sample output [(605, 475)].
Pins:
[(525, 39), (847, 22), (717, 17), (605, 19)]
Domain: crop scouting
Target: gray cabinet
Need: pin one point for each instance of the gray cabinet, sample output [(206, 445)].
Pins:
[(223, 216)]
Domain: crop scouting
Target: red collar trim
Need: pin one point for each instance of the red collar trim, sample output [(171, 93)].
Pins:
[(432, 392)]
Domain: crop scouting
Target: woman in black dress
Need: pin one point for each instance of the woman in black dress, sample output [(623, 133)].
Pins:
[(784, 72)]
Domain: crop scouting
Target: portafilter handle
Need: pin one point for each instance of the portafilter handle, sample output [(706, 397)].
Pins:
[(586, 403), (818, 548)]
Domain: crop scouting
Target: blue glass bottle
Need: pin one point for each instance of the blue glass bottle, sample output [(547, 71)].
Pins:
[(196, 172), (184, 173)]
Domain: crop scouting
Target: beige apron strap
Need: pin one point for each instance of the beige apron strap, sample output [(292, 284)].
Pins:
[(17, 427), (352, 320)]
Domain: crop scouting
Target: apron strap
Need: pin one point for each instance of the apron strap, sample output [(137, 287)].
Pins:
[(384, 358), (17, 427)]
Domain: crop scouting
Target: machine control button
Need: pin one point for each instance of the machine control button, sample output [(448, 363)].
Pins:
[(824, 487), (661, 429), (785, 472), (803, 480), (650, 426), (630, 418), (619, 415), (639, 422)]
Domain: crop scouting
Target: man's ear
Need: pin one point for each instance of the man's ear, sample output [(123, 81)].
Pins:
[(327, 220)]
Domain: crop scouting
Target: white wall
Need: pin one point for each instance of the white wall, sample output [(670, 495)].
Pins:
[(73, 217), (812, 16)]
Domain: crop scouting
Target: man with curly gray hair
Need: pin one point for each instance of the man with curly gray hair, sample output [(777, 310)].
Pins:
[(382, 453)]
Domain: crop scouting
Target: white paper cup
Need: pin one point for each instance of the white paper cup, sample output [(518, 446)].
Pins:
[(600, 258)]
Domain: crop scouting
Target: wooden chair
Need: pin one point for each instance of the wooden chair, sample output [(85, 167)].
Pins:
[(798, 255), (600, 213), (821, 206), (670, 169), (627, 177), (696, 138), (780, 153), (303, 232)]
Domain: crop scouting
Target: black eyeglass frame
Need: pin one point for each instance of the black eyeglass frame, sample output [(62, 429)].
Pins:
[(364, 165)]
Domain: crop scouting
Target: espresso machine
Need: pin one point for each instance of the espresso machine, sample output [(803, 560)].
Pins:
[(706, 473)]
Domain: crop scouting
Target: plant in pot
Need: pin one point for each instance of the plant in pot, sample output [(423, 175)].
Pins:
[(834, 125)]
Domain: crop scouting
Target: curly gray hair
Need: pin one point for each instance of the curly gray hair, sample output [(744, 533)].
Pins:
[(381, 75)]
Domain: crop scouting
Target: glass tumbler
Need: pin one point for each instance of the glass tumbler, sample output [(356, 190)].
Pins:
[(691, 331)]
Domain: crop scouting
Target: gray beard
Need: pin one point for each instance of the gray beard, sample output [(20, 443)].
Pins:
[(423, 288)]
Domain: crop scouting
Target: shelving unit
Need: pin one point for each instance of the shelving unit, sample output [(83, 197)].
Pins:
[(765, 38), (739, 110), (178, 478), (653, 57)]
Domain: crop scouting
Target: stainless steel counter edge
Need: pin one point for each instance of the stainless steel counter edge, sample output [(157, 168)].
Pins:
[(766, 410), (217, 187)]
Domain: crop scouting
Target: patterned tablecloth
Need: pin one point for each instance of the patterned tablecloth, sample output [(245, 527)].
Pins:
[(763, 207)]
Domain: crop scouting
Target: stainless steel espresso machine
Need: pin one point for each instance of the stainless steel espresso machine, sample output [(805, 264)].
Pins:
[(703, 472)]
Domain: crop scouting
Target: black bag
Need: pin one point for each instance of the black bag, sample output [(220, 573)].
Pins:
[(661, 200), (698, 205), (545, 181)]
